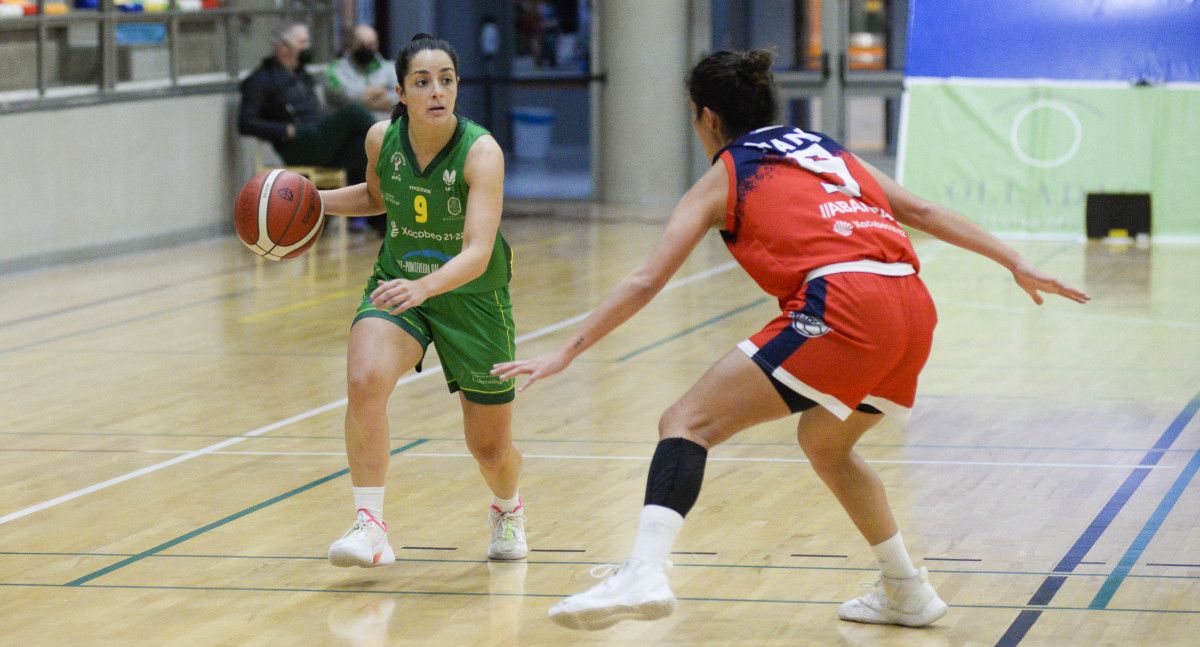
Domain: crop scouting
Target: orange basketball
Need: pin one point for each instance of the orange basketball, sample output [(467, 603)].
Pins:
[(278, 214)]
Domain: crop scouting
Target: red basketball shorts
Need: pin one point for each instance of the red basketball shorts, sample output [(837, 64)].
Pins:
[(850, 339)]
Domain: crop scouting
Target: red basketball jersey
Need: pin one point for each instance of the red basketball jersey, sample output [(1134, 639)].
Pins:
[(798, 201)]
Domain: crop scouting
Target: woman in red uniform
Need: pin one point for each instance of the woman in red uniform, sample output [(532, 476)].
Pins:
[(819, 230)]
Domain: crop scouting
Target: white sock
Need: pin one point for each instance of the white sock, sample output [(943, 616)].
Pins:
[(656, 534), (369, 499), (893, 558), (507, 505)]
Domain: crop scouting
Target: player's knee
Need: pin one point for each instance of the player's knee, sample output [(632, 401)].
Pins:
[(825, 456), (491, 456), (490, 459), (364, 385), (683, 421)]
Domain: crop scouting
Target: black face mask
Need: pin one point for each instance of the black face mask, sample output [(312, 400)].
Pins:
[(363, 55), (306, 56)]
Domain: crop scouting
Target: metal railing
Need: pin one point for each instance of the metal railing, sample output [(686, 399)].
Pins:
[(231, 33)]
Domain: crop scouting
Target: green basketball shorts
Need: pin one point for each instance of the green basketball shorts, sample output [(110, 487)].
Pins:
[(471, 331)]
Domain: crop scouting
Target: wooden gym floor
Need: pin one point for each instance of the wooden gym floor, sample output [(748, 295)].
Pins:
[(172, 474)]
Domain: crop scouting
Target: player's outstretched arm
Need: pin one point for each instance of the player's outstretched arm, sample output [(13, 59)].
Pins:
[(945, 224), (363, 199), (698, 209)]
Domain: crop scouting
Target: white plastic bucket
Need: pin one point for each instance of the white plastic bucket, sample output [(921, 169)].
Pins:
[(532, 127)]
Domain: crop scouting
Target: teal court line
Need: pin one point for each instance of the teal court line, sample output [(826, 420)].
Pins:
[(1110, 586), (484, 594), (692, 329), (216, 524)]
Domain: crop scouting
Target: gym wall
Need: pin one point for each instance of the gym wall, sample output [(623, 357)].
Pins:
[(1015, 111)]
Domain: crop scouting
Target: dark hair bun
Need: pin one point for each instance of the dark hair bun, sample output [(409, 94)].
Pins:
[(422, 36), (755, 66)]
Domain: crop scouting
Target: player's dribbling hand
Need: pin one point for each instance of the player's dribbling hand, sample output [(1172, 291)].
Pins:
[(1033, 281), (398, 295), (536, 368)]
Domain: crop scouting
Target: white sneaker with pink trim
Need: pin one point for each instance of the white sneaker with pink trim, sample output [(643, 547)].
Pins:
[(365, 544), (508, 533)]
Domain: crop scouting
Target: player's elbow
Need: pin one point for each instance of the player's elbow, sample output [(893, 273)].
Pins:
[(645, 283), (918, 214), (476, 261)]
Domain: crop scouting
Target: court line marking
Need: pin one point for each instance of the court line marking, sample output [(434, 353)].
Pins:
[(113, 324), (718, 459), (298, 305), (1110, 586), (1050, 585), (106, 300), (449, 560), (602, 441), (144, 291), (1065, 314), (1045, 258), (338, 294), (428, 372), (263, 589), (79, 581), (692, 329)]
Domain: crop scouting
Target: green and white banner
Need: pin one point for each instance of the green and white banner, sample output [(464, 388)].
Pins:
[(1021, 156)]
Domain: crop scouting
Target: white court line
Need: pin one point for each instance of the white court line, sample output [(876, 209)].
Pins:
[(718, 459), (428, 372), (739, 459)]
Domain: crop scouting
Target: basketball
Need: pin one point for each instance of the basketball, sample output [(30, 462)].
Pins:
[(278, 214)]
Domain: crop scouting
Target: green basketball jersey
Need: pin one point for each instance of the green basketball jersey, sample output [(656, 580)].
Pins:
[(426, 210)]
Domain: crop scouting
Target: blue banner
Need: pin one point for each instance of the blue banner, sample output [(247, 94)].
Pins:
[(1149, 41)]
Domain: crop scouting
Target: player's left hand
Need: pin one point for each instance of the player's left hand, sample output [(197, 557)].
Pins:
[(398, 295), (536, 368), (1033, 281)]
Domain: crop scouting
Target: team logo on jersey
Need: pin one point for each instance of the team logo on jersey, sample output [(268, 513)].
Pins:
[(842, 227), (808, 325), (454, 206), (448, 176), (397, 162)]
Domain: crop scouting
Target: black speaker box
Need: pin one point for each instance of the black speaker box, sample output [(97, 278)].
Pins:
[(1109, 211)]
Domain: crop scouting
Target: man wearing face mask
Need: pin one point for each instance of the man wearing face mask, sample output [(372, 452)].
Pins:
[(280, 105), (361, 75)]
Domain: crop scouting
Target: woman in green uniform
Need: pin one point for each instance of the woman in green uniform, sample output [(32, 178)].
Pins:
[(442, 278)]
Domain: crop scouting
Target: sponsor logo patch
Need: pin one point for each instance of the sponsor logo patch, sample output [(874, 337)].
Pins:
[(808, 325)]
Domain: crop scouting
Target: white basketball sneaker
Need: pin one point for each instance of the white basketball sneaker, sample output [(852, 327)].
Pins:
[(911, 602), (636, 591), (365, 544), (508, 533)]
